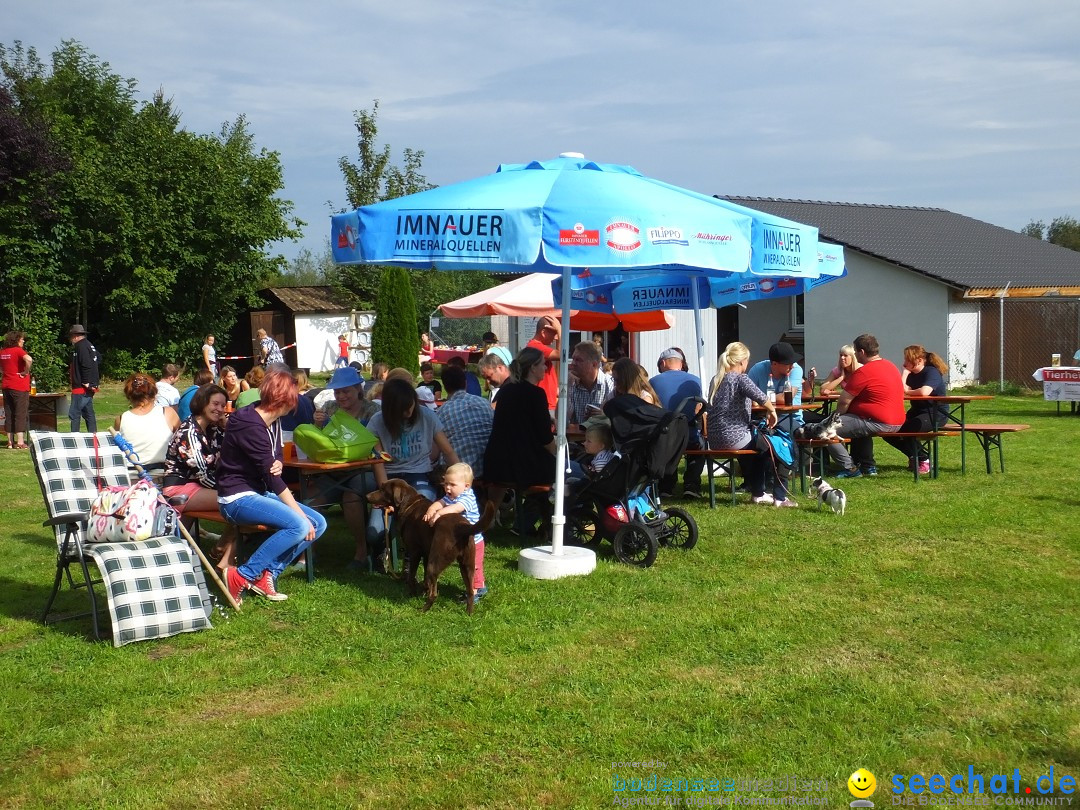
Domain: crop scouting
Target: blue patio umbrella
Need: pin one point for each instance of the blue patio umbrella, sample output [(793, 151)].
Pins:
[(646, 291), (554, 216)]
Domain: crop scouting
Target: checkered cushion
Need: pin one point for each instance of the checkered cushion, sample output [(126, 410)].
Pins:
[(152, 588), (71, 471)]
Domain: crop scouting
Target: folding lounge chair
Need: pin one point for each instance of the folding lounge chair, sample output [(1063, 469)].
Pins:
[(154, 588)]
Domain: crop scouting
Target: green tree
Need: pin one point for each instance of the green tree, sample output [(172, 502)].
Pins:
[(1063, 231), (31, 273), (156, 227), (374, 178), (392, 338)]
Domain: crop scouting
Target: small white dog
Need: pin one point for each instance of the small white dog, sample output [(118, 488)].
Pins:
[(829, 495)]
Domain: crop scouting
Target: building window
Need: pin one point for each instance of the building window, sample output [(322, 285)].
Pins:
[(798, 311)]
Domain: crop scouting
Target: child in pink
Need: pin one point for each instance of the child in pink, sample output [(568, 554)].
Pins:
[(460, 498)]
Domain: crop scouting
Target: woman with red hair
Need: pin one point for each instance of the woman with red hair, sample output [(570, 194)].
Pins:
[(251, 490)]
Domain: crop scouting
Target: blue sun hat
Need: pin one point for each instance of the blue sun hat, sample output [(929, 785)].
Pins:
[(344, 378)]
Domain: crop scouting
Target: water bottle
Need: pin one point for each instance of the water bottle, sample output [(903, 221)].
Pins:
[(770, 391)]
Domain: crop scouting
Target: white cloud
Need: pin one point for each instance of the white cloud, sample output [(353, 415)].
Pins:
[(967, 105)]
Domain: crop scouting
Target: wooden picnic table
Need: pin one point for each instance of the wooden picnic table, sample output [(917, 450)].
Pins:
[(955, 404), (308, 469)]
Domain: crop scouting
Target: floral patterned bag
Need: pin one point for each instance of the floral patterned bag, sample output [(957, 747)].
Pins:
[(130, 514)]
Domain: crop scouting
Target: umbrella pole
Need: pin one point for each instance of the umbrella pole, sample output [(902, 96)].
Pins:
[(696, 299), (558, 519)]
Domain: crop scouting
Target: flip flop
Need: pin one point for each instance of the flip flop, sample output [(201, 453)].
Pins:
[(22, 447)]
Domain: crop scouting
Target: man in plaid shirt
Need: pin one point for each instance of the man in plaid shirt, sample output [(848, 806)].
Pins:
[(466, 419), (590, 385)]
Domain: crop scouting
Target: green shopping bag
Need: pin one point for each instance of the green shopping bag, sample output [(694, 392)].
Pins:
[(342, 439)]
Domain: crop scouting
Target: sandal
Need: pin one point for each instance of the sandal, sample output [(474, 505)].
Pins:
[(22, 447)]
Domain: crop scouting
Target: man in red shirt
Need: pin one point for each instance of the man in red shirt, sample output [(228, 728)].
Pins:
[(546, 340), (872, 402)]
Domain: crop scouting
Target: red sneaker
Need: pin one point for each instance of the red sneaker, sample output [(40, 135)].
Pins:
[(264, 586), (236, 584)]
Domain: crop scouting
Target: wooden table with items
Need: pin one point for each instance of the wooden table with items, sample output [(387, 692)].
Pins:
[(955, 405), (308, 469), (1060, 384), (41, 413)]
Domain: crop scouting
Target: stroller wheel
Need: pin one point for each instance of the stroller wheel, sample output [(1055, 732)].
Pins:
[(679, 530), (635, 545), (581, 530)]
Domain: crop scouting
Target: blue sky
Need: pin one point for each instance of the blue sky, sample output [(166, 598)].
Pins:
[(969, 105)]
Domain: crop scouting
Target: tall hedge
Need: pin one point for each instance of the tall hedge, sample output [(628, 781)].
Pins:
[(394, 340)]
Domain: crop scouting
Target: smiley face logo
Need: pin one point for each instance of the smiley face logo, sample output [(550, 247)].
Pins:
[(861, 784)]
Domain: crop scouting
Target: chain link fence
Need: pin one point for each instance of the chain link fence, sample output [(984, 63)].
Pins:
[(1004, 340)]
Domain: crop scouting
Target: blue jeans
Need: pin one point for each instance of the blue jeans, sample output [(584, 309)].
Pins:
[(376, 533), (342, 362), (284, 545), (82, 405)]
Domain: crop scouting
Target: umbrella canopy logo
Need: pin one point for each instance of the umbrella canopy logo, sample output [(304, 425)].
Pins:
[(623, 236), (580, 236), (450, 233), (667, 236)]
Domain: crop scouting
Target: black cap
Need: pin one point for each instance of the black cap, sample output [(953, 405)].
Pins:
[(783, 353)]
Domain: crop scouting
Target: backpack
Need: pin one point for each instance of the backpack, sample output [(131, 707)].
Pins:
[(778, 443)]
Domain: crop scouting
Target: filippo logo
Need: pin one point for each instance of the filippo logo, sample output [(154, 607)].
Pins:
[(580, 236), (766, 285), (667, 236), (623, 236)]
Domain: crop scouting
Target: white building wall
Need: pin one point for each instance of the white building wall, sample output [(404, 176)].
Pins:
[(317, 339), (963, 356), (762, 323), (648, 345), (895, 305)]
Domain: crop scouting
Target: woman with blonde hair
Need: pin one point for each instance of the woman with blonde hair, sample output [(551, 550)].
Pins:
[(846, 366), (728, 425), (923, 375), (630, 378)]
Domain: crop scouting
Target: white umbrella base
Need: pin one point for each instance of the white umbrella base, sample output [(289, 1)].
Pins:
[(538, 562)]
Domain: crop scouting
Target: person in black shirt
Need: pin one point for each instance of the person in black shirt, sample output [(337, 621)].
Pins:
[(85, 379)]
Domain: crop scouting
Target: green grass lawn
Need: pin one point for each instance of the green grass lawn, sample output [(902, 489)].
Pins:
[(932, 628)]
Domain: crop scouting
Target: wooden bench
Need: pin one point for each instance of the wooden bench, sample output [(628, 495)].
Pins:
[(810, 446), (927, 442), (521, 494), (214, 516), (728, 457), (989, 436)]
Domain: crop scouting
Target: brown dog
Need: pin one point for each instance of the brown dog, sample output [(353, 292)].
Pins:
[(448, 539)]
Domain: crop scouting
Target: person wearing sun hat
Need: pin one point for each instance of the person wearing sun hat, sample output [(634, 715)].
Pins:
[(348, 389), (348, 488), (546, 340)]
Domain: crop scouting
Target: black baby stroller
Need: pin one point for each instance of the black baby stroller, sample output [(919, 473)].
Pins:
[(622, 503)]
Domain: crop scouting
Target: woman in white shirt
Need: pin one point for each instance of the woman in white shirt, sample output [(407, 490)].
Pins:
[(149, 427)]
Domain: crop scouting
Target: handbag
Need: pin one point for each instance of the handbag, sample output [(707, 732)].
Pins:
[(130, 514), (342, 439)]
